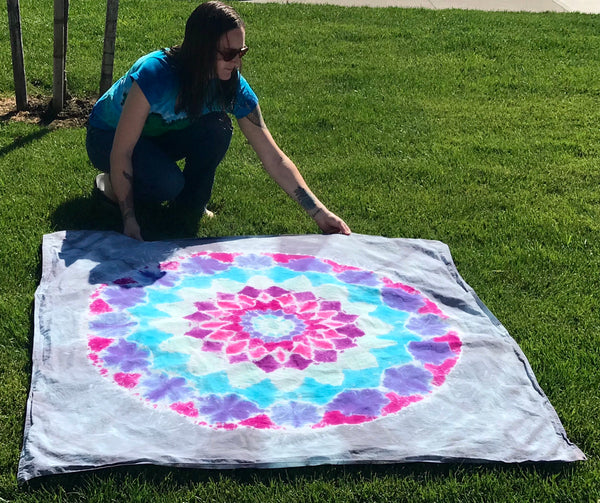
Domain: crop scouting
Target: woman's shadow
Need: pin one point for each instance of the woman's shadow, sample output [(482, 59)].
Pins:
[(96, 213)]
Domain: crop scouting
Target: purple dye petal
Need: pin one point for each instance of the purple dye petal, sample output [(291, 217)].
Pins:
[(407, 380), (358, 278), (198, 333), (304, 296), (123, 297), (127, 356), (254, 261), (161, 386), (204, 265), (276, 291), (364, 402), (295, 414), (326, 356), (344, 343), (250, 292), (345, 318), (427, 325), (308, 264), (205, 306), (350, 331), (197, 316), (430, 352), (212, 346), (222, 409), (267, 364), (112, 325), (298, 362), (401, 300), (331, 305)]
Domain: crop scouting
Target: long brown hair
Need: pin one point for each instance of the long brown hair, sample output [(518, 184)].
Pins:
[(195, 59)]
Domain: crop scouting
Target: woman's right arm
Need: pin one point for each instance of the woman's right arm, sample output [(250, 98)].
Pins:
[(133, 117)]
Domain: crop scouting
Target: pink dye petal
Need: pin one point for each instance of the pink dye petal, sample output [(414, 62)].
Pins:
[(186, 409), (99, 307), (335, 417), (258, 353), (311, 306), (223, 257), (409, 289), (272, 346), (284, 258), (169, 266), (127, 380), (222, 335), (453, 341), (324, 344), (262, 422), (236, 347), (99, 343), (398, 402), (304, 350), (430, 307), (336, 268), (440, 372)]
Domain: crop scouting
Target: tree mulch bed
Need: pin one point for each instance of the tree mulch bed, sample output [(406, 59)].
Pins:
[(39, 111)]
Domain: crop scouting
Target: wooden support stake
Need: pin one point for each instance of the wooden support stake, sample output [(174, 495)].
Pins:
[(16, 47), (58, 77), (110, 35)]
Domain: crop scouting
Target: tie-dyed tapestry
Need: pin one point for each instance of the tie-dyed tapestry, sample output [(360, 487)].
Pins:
[(272, 352)]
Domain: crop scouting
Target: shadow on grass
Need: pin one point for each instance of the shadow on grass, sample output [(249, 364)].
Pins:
[(96, 213), (21, 141), (160, 479)]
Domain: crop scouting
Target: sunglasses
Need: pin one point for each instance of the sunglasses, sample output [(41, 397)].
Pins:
[(229, 54)]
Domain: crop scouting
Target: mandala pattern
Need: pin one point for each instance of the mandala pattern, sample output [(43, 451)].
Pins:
[(281, 341)]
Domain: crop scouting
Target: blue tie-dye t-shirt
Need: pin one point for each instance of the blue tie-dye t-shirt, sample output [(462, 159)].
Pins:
[(160, 85)]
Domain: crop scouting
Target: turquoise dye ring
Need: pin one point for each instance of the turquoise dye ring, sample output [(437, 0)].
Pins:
[(270, 340)]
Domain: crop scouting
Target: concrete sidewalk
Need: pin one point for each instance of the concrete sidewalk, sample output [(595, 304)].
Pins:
[(585, 6)]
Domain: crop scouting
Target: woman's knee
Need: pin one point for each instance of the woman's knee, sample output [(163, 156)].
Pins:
[(98, 144)]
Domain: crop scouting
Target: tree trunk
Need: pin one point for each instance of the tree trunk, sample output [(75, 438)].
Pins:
[(60, 33), (16, 47), (110, 34)]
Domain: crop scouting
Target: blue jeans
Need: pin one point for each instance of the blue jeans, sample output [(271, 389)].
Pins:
[(156, 175)]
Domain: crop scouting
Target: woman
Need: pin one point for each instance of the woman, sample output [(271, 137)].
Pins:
[(173, 104)]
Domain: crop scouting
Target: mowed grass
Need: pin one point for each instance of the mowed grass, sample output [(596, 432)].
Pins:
[(477, 129)]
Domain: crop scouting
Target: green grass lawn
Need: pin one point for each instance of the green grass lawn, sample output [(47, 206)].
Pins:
[(481, 130)]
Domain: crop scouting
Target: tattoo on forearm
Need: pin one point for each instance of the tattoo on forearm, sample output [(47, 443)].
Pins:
[(255, 117), (306, 201), (126, 206)]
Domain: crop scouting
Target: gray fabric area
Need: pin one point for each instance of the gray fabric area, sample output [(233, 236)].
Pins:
[(356, 349)]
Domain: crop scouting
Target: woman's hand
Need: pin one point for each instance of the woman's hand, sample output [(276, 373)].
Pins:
[(132, 229), (330, 223)]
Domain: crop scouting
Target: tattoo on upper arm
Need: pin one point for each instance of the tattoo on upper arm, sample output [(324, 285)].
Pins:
[(128, 176), (255, 117)]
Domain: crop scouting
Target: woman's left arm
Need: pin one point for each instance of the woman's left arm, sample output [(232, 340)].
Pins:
[(286, 174)]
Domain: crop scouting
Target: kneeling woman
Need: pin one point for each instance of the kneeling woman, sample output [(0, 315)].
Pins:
[(173, 104)]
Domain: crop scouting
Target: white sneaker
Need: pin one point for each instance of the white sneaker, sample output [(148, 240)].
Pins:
[(103, 184), (208, 213)]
